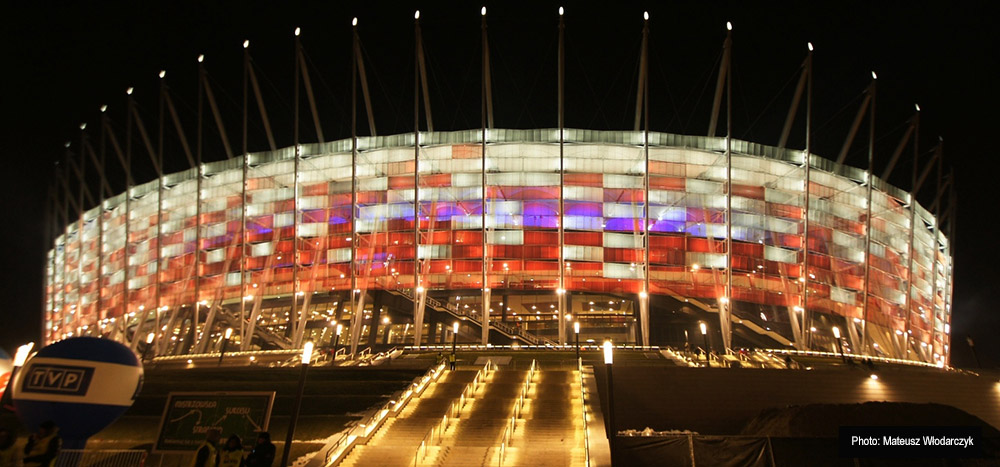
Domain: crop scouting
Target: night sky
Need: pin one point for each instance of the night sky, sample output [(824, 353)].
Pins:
[(63, 62)]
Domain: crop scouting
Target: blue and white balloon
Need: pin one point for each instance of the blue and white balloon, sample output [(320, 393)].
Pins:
[(82, 384)]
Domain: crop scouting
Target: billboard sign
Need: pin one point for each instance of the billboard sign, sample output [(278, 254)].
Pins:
[(188, 416)]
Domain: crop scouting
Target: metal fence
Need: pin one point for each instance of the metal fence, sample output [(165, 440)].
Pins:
[(101, 458)]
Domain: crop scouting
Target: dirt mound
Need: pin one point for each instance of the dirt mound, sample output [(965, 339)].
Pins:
[(824, 420)]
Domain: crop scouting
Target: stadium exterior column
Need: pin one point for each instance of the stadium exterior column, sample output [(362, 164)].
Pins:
[(912, 250), (200, 171), (159, 222), (725, 310), (295, 212), (418, 289), (354, 188), (870, 178), (644, 293), (79, 231), (804, 274), (487, 116), (376, 318), (561, 290), (243, 204), (934, 266)]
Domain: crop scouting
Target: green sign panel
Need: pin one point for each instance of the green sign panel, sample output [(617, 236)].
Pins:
[(189, 415)]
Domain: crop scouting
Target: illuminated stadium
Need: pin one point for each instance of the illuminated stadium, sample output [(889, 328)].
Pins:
[(639, 236), (601, 268)]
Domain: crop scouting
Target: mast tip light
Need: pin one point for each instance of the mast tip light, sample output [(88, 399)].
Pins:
[(874, 76), (163, 73), (645, 15), (246, 44), (561, 11), (104, 108), (810, 45), (83, 126), (729, 26), (354, 22), (416, 14), (129, 91), (298, 31), (917, 106), (483, 11), (201, 58)]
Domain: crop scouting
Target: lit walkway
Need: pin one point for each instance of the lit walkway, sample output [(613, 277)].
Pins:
[(499, 419)]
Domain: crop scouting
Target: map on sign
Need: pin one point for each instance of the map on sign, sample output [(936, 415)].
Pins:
[(189, 415)]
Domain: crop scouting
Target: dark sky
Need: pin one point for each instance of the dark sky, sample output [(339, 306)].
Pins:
[(64, 60)]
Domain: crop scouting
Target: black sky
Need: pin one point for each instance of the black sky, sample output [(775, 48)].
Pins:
[(64, 60)]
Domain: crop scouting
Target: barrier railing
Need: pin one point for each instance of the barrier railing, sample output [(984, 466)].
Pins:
[(455, 310), (814, 353), (101, 458), (566, 347), (508, 431), (454, 412), (674, 354), (374, 417), (237, 353)]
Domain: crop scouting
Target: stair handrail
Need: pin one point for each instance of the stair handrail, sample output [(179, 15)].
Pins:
[(583, 407), (343, 445)]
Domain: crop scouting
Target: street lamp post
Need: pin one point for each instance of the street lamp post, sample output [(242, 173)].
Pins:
[(704, 334), (608, 360), (576, 329), (307, 351), (336, 341), (149, 343), (225, 343), (840, 347), (454, 336)]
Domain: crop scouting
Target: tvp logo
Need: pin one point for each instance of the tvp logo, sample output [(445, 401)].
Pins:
[(58, 379)]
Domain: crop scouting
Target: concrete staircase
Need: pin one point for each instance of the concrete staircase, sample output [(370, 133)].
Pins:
[(484, 416)]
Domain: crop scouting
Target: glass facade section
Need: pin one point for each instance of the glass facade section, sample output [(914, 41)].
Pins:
[(266, 245)]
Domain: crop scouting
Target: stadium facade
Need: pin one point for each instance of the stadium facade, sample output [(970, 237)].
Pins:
[(519, 236), (226, 238)]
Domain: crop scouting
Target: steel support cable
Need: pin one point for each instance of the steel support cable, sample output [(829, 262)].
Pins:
[(531, 89), (263, 76), (374, 72), (836, 114), (708, 82), (458, 108), (440, 84), (600, 102), (772, 101), (666, 87), (590, 86), (743, 97), (877, 140), (341, 110)]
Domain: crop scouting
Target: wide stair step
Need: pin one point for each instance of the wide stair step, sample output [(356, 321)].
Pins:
[(547, 431)]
